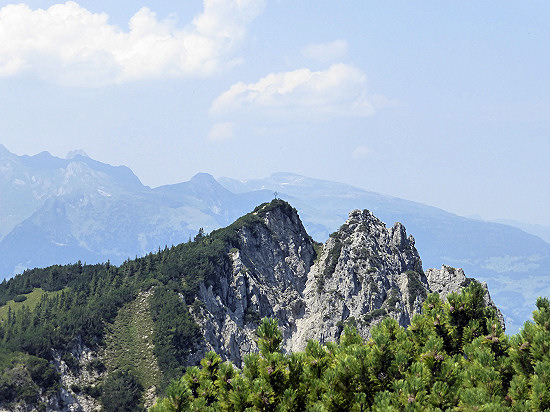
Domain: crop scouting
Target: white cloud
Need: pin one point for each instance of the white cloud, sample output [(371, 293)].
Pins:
[(221, 131), (338, 91), (326, 52), (68, 44)]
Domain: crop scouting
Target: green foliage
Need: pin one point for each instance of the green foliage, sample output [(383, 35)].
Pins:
[(279, 204), (454, 356), (129, 344), (31, 300), (19, 298), (25, 378), (374, 314), (392, 299), (251, 316), (70, 361), (122, 392), (270, 337), (175, 333), (332, 258), (331, 261), (415, 286)]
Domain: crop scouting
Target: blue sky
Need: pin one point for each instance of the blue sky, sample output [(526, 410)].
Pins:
[(445, 103)]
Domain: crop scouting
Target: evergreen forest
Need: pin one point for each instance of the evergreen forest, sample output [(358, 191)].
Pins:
[(45, 311)]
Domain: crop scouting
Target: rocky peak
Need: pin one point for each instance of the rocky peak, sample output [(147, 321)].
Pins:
[(364, 273), (364, 230), (266, 276), (448, 280), (279, 242)]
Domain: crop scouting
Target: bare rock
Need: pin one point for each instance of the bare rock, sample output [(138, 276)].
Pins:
[(267, 276), (365, 272), (448, 280)]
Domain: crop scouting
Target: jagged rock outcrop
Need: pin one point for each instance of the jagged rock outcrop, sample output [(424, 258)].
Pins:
[(448, 279), (363, 273), (266, 278), (81, 369)]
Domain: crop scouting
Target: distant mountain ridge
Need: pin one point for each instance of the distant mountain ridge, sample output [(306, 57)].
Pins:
[(64, 210), (58, 211), (538, 230)]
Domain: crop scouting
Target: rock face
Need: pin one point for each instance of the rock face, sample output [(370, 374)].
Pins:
[(266, 278), (448, 279), (76, 374), (363, 273)]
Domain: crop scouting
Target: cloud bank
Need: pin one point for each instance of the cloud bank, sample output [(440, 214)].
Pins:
[(70, 45), (339, 91)]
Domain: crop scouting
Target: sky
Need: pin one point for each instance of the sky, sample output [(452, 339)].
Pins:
[(444, 103)]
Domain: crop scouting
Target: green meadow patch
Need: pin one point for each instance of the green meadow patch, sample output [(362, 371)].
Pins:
[(29, 300)]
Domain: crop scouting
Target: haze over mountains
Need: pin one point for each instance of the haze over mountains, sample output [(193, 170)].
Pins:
[(57, 211)]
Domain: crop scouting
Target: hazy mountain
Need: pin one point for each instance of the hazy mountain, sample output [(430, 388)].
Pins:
[(538, 230), (57, 211), (64, 210)]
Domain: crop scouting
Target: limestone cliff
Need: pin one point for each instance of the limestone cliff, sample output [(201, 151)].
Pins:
[(363, 273), (266, 278)]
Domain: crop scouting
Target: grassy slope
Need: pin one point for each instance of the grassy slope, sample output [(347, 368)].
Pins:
[(130, 342), (32, 300)]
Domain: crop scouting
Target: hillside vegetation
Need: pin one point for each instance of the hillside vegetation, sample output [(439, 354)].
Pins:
[(30, 300)]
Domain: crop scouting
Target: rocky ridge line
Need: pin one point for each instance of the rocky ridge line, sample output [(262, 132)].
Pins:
[(363, 273)]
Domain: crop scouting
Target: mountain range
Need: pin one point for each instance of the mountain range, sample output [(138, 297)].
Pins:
[(57, 211), (104, 337)]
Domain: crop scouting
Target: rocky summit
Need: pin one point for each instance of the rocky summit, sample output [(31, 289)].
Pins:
[(267, 275), (363, 273)]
